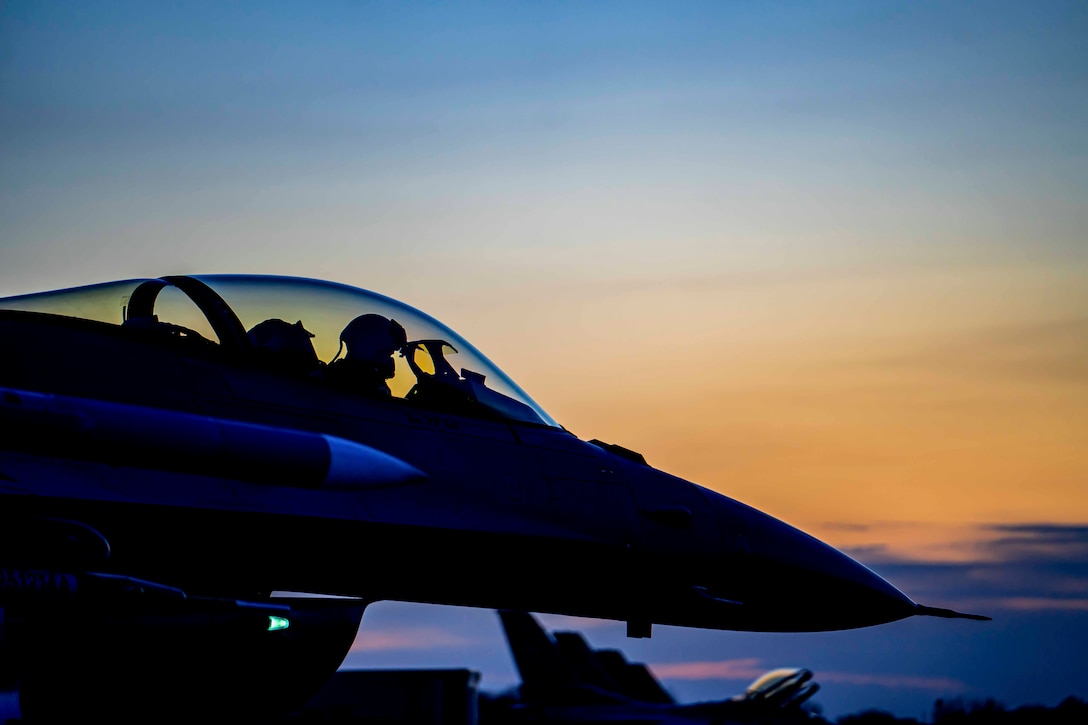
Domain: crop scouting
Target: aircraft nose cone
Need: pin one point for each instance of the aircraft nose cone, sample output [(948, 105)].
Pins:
[(782, 574)]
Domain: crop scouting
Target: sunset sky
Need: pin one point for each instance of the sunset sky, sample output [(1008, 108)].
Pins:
[(827, 258)]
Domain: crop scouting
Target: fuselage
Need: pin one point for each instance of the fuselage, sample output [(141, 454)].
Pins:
[(512, 514)]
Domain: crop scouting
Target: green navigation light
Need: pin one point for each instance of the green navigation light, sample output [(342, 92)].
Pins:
[(275, 624)]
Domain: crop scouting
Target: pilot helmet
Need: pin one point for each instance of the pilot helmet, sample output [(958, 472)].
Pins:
[(372, 338)]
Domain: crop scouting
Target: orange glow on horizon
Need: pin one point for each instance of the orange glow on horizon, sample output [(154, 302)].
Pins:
[(930, 403)]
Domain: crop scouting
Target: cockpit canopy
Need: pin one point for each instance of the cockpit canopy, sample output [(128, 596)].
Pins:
[(304, 323)]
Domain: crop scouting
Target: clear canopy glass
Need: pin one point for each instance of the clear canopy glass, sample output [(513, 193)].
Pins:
[(324, 308)]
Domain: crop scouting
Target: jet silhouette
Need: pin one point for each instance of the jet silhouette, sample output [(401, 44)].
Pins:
[(175, 450), (563, 680)]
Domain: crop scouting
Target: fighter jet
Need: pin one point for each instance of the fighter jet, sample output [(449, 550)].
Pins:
[(563, 680), (189, 445)]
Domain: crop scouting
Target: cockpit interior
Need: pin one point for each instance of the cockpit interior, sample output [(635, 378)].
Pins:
[(354, 340)]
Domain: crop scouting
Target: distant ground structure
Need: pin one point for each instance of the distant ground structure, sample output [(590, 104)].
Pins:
[(423, 697), (1070, 711)]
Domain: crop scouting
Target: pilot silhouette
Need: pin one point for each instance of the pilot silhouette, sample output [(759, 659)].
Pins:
[(283, 346), (371, 341)]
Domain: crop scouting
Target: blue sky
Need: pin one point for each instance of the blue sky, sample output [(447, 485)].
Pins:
[(424, 127), (850, 237)]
